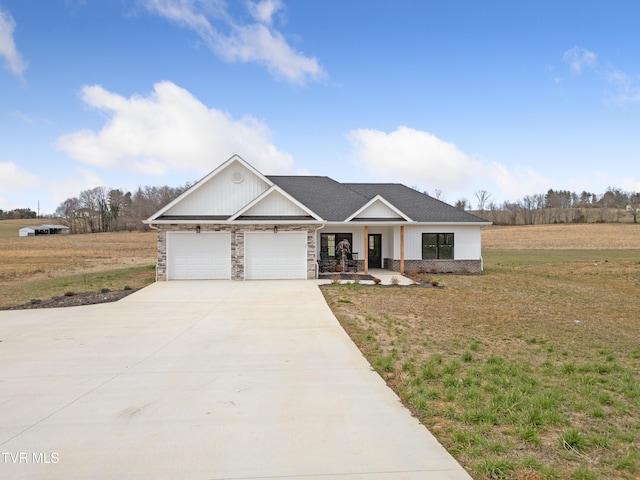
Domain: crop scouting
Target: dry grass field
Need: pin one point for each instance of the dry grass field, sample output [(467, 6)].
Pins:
[(44, 266), (529, 371), (563, 237)]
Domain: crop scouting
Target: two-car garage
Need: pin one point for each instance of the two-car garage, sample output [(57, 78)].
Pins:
[(208, 255)]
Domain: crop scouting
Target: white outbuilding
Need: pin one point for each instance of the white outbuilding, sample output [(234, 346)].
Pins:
[(43, 229)]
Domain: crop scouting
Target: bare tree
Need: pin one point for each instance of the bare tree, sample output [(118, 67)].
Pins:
[(462, 204), (437, 193), (634, 205), (483, 197)]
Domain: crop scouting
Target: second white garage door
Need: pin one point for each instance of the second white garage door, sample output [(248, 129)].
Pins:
[(275, 255), (192, 256)]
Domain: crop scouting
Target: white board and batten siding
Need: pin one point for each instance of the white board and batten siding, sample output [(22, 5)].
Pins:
[(275, 204), (224, 194), (467, 244), (271, 256), (198, 256)]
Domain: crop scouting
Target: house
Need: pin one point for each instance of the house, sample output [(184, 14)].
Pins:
[(237, 223), (43, 229)]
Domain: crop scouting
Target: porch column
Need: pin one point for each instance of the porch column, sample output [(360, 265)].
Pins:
[(402, 249), (366, 249)]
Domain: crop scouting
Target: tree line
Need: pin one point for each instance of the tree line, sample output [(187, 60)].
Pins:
[(102, 209), (557, 206), (17, 214)]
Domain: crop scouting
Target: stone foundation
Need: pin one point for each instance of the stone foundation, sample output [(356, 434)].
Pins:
[(436, 266)]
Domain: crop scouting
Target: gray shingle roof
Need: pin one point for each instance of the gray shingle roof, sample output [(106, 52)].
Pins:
[(336, 202)]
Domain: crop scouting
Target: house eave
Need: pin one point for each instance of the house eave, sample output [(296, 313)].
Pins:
[(263, 221), (395, 223)]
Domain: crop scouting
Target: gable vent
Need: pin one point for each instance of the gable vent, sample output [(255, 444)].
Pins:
[(237, 177)]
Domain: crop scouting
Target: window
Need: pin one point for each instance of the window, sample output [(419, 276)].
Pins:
[(437, 246), (328, 242)]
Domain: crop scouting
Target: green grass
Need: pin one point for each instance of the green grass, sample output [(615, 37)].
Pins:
[(23, 292), (532, 368), (9, 228)]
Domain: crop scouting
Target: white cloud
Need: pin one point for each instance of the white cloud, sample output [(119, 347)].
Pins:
[(257, 42), (413, 156), (626, 88), (12, 57), (578, 57), (170, 130), (13, 178), (72, 184), (416, 157), (263, 11)]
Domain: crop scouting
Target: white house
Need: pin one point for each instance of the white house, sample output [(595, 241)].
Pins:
[(237, 223)]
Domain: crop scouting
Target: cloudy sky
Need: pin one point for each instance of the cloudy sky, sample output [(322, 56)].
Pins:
[(457, 96)]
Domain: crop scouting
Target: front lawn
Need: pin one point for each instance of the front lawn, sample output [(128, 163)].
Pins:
[(529, 371)]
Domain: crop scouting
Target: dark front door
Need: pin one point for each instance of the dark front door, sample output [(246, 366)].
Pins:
[(375, 250)]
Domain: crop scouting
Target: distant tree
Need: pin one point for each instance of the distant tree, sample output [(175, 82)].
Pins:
[(462, 204), (634, 205), (437, 193), (483, 197)]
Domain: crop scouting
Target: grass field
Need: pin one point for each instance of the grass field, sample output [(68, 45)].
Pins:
[(50, 265), (529, 371)]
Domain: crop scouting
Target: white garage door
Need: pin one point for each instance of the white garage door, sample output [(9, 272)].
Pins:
[(192, 256), (275, 255)]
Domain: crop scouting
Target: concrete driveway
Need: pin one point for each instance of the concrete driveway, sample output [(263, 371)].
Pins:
[(202, 380)]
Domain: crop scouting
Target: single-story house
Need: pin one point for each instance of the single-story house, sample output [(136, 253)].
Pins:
[(43, 229), (237, 223)]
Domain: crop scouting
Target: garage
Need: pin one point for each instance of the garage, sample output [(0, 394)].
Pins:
[(198, 256), (275, 255)]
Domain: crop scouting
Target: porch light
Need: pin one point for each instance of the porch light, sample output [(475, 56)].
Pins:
[(275, 229), (198, 229)]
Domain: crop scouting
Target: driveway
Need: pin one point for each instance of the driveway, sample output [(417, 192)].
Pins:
[(202, 380)]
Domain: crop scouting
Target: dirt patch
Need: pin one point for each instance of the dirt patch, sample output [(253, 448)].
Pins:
[(75, 300)]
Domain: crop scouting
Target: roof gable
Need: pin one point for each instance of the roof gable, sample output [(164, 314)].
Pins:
[(420, 207), (224, 191), (274, 203), (378, 208)]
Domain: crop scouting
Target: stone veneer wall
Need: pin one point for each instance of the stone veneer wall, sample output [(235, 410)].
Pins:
[(436, 266), (237, 244)]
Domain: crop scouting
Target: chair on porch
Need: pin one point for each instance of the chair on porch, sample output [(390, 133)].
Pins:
[(352, 261), (326, 263)]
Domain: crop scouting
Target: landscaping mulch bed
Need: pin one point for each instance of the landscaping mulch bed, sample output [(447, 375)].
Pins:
[(343, 276), (75, 300)]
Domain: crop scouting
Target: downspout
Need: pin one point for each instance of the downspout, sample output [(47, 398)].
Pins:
[(317, 267)]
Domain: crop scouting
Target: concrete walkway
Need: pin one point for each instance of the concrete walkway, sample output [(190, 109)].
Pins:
[(202, 380)]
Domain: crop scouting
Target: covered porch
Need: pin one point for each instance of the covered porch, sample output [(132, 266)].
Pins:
[(357, 249)]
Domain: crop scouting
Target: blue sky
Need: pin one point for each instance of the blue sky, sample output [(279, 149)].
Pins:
[(512, 97)]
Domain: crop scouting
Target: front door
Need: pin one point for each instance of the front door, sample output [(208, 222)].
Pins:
[(375, 250)]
